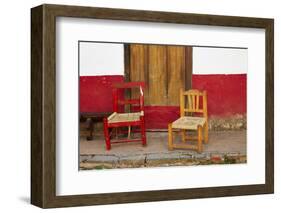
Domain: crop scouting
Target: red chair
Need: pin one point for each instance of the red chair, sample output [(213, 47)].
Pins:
[(121, 119)]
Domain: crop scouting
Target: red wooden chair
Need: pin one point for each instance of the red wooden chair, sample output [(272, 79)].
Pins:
[(121, 119)]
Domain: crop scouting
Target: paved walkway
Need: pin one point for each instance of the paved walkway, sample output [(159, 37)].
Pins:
[(223, 147)]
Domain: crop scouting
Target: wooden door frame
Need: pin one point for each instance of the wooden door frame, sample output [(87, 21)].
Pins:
[(188, 67)]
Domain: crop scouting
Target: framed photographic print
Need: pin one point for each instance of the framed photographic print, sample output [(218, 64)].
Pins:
[(137, 106)]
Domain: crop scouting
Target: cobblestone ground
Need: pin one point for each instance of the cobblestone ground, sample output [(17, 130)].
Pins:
[(224, 147)]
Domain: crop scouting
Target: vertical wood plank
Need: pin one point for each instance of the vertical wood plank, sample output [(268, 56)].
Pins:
[(157, 75), (188, 67), (139, 67), (175, 73), (127, 64)]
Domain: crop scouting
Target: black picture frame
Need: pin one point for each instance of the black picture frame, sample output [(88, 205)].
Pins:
[(43, 105)]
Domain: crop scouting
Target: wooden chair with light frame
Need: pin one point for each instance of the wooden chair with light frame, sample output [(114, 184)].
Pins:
[(193, 117)]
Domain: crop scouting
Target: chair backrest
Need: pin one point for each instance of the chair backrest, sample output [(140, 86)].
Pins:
[(137, 102), (193, 102)]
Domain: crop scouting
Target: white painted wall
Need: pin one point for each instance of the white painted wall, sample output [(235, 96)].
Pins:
[(101, 59), (208, 60), (98, 59)]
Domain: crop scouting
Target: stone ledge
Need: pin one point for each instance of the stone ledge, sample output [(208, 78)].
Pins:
[(158, 160)]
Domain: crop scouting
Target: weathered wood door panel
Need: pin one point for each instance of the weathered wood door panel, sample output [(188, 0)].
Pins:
[(175, 73), (137, 60), (157, 75), (164, 68), (138, 55)]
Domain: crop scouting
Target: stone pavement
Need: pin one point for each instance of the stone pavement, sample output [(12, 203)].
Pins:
[(224, 147)]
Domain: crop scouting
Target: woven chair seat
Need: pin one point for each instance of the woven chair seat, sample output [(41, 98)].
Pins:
[(188, 122), (124, 117)]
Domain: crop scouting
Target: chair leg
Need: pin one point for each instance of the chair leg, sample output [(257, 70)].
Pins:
[(183, 135), (170, 137), (106, 134), (91, 129), (143, 135), (116, 132), (129, 132), (206, 133), (199, 128)]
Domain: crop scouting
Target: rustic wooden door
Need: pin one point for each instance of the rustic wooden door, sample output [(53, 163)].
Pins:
[(164, 68)]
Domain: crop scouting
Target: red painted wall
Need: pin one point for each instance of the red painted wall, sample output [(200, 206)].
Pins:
[(227, 94), (226, 97), (158, 117), (96, 92)]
